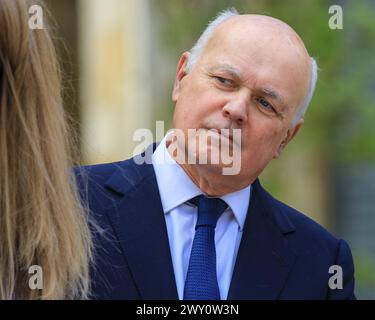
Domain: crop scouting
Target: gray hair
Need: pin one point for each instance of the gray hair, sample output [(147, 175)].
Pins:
[(198, 47)]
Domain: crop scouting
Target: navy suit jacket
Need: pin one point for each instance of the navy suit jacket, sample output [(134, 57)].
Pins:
[(283, 254)]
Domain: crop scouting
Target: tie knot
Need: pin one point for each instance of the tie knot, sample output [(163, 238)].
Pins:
[(209, 210)]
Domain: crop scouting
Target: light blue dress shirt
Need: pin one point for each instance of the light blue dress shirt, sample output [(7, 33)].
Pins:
[(176, 188)]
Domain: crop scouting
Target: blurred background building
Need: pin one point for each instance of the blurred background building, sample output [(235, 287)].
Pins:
[(119, 58)]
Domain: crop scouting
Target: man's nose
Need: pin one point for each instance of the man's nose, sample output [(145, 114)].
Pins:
[(236, 110)]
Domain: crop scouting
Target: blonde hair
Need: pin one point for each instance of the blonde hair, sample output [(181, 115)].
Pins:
[(41, 219)]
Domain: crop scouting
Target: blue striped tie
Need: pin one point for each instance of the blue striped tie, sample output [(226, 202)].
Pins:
[(201, 280)]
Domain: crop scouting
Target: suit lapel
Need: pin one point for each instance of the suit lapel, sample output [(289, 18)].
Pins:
[(140, 226), (264, 259)]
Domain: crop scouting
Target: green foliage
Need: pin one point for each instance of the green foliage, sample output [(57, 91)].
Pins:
[(365, 280)]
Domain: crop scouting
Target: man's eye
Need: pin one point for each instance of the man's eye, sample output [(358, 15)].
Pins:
[(224, 81), (265, 104)]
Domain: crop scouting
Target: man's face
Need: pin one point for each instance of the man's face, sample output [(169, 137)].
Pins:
[(251, 76)]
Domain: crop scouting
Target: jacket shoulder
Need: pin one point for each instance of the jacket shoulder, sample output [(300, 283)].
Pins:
[(91, 183), (306, 230), (319, 250), (304, 234)]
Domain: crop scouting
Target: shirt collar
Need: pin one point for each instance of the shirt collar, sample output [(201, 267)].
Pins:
[(176, 187)]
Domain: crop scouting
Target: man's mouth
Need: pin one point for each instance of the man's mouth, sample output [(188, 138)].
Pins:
[(226, 133)]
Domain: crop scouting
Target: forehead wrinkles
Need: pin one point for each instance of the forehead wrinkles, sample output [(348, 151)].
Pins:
[(258, 30), (267, 44), (257, 60)]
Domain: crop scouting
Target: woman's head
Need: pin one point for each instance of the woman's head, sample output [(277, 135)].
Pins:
[(41, 221)]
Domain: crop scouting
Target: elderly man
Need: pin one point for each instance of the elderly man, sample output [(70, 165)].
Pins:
[(185, 230)]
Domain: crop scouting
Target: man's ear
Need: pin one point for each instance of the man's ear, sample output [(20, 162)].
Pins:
[(291, 133), (180, 74)]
